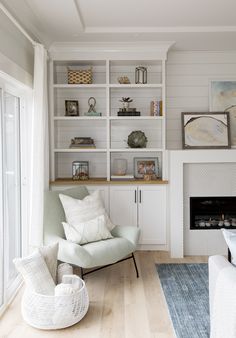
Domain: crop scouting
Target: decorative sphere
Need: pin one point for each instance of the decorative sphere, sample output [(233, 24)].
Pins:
[(137, 139)]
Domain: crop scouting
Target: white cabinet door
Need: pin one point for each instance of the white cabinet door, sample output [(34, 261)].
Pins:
[(123, 205), (152, 214)]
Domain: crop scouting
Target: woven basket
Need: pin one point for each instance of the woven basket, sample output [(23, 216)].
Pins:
[(84, 76), (54, 312)]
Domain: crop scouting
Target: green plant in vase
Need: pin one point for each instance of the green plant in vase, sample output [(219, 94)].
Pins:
[(126, 101)]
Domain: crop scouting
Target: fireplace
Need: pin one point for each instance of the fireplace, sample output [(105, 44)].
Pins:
[(208, 213)]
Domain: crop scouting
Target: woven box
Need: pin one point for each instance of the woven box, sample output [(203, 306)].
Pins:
[(84, 76)]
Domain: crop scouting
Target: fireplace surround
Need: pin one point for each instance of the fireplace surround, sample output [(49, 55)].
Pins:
[(178, 159)]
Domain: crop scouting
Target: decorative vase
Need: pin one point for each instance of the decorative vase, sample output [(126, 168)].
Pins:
[(125, 105), (119, 166)]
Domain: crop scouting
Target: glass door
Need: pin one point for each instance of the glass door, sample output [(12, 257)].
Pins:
[(12, 184), (10, 194)]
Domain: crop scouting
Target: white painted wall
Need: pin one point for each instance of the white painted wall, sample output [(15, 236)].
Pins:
[(16, 52), (188, 75)]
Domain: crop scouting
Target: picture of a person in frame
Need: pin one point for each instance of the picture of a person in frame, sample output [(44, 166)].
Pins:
[(146, 167), (72, 108)]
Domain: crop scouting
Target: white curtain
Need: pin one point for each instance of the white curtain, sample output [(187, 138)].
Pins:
[(40, 147)]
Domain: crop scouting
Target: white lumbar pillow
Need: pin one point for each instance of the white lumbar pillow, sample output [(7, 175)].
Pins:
[(78, 211), (35, 273), (230, 238), (49, 253), (88, 231)]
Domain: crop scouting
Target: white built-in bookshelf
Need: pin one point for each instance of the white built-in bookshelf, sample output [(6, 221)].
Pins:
[(109, 131)]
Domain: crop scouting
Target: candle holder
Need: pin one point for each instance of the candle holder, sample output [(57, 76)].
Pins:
[(80, 170), (119, 166), (140, 75)]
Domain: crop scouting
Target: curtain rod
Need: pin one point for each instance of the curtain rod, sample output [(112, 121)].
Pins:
[(16, 23)]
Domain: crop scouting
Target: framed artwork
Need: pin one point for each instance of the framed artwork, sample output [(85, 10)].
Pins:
[(205, 130), (72, 108), (146, 166), (223, 98)]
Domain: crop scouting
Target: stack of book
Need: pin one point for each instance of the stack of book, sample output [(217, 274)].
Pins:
[(82, 142), (122, 177), (156, 108), (128, 112)]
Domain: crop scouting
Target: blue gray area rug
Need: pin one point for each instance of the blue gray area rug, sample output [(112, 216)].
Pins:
[(185, 288)]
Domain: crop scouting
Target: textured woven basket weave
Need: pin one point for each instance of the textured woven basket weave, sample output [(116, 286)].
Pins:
[(84, 76), (54, 312)]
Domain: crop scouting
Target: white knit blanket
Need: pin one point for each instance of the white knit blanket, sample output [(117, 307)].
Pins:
[(223, 317), (70, 285), (63, 269)]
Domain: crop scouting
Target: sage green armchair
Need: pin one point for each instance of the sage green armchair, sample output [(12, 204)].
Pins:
[(92, 255)]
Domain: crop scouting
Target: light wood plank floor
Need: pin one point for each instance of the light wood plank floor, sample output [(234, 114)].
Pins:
[(121, 305)]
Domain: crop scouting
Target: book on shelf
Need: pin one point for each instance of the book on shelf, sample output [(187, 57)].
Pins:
[(82, 142), (122, 177), (83, 146), (156, 108), (128, 113)]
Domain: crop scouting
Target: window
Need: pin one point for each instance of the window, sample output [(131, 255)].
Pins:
[(13, 206)]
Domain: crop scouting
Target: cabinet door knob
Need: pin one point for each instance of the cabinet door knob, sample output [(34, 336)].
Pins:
[(135, 196), (140, 196)]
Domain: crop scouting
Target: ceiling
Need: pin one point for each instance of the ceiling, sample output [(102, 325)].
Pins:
[(192, 24)]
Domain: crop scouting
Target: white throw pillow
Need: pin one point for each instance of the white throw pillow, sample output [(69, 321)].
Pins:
[(35, 273), (230, 238), (49, 253), (85, 232), (78, 211)]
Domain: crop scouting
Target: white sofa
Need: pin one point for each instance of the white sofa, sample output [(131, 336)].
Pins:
[(222, 297)]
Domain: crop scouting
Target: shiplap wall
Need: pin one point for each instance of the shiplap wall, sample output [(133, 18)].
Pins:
[(188, 76)]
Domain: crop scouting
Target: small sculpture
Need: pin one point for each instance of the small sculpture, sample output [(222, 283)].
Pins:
[(137, 139), (92, 104), (123, 80)]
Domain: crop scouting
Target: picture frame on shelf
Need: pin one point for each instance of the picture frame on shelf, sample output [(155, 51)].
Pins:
[(72, 107), (146, 166), (205, 130), (222, 97)]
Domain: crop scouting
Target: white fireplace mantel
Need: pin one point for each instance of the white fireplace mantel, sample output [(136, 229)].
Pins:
[(177, 160)]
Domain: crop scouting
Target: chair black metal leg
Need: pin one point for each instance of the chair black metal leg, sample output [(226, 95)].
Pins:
[(135, 265), (229, 256), (82, 273)]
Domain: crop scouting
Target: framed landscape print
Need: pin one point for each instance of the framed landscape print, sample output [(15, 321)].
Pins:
[(205, 130), (223, 98)]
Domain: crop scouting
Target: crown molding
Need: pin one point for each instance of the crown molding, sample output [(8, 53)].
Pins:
[(120, 50)]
